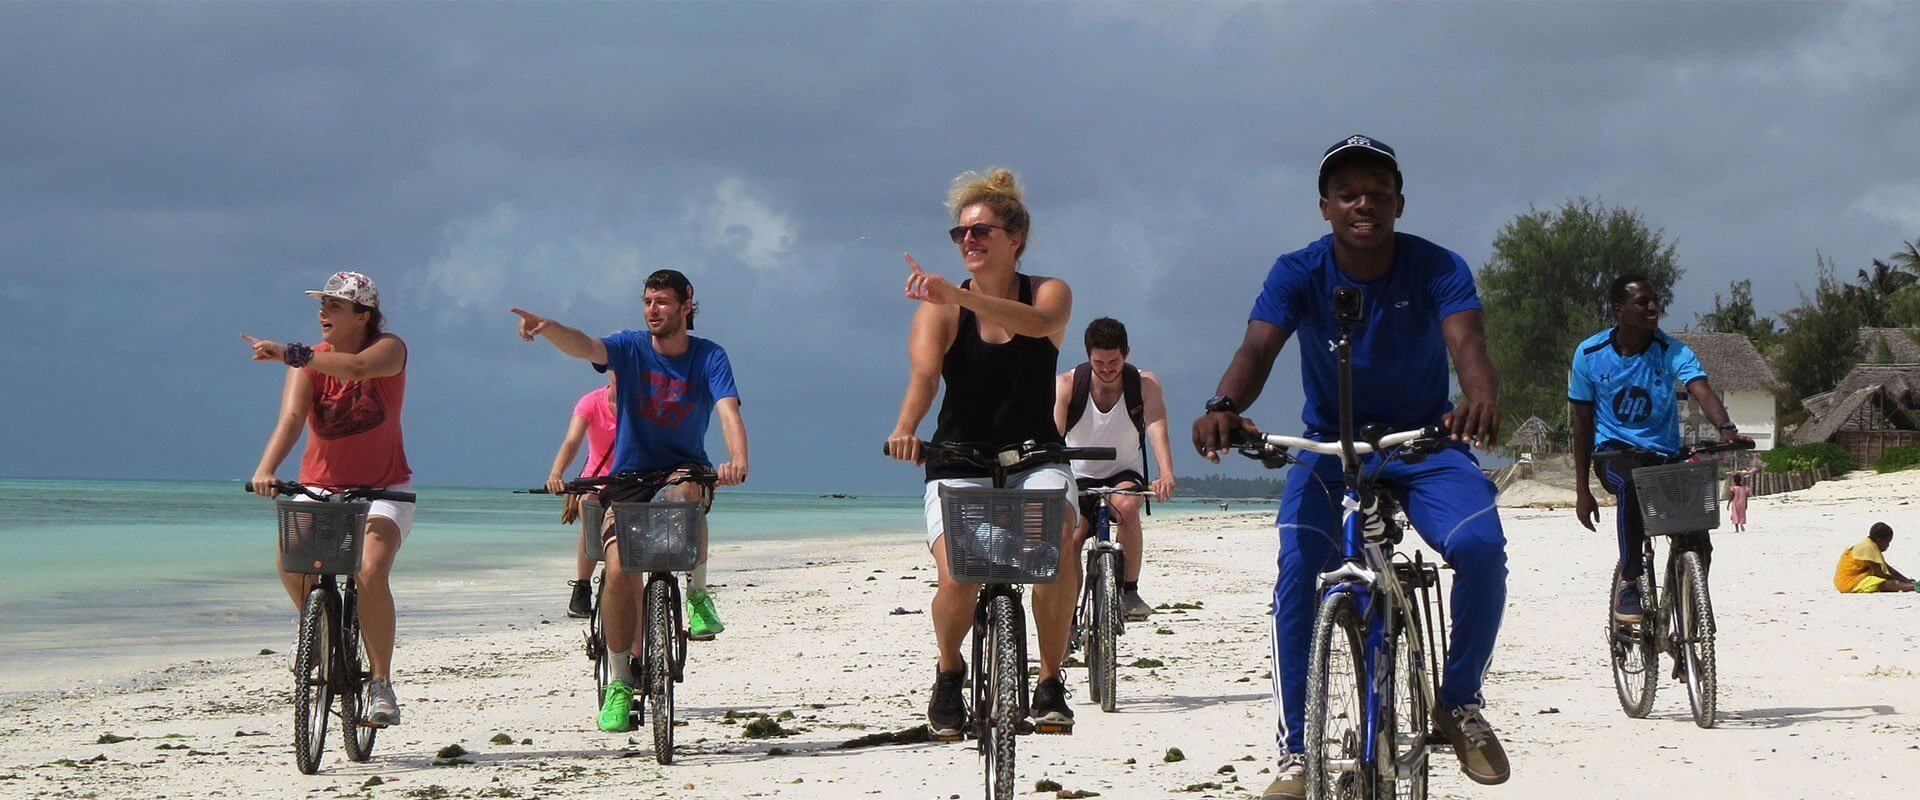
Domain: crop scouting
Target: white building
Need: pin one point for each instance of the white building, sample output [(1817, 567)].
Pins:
[(1746, 384)]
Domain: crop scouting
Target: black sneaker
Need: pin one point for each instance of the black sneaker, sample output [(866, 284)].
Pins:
[(1050, 712), (947, 711), (582, 603)]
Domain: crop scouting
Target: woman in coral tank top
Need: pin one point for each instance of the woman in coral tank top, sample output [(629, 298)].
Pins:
[(347, 392)]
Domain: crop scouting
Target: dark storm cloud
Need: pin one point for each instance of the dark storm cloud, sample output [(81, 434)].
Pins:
[(173, 174)]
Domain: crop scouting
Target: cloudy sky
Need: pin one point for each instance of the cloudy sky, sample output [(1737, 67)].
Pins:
[(173, 175)]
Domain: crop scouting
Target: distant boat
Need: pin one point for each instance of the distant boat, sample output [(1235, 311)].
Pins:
[(841, 496)]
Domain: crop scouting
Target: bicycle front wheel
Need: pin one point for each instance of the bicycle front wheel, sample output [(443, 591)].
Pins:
[(1103, 652), (1336, 713), (660, 642), (355, 734), (1635, 653), (312, 683), (1004, 674), (1693, 624)]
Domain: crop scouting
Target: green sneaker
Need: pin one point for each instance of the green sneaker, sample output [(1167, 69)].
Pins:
[(616, 707), (702, 622)]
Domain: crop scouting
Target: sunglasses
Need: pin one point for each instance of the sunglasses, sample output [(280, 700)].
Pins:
[(978, 229)]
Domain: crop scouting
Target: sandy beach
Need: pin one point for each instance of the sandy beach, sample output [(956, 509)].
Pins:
[(1818, 690)]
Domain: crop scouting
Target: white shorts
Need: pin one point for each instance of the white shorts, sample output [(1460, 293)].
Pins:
[(400, 513), (1046, 476)]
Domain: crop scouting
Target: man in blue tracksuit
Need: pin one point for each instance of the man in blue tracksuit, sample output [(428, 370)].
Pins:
[(1421, 306)]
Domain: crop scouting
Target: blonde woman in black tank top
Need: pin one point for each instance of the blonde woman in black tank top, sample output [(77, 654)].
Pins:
[(995, 340)]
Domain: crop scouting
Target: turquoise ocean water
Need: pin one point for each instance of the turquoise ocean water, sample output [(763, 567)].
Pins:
[(96, 575)]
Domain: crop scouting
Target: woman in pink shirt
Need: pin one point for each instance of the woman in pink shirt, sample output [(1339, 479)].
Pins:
[(593, 419)]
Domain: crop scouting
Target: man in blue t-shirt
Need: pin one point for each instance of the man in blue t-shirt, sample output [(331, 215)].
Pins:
[(671, 385), (1421, 307), (1621, 388)]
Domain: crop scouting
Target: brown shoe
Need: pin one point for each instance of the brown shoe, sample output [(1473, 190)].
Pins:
[(1481, 756), (1291, 782)]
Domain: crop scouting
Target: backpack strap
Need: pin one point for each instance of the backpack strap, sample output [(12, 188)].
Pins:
[(1131, 394), (1082, 392)]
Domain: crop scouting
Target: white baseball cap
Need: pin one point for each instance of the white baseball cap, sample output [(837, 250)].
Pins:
[(352, 287)]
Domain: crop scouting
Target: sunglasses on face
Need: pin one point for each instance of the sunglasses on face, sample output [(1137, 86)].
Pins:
[(978, 229)]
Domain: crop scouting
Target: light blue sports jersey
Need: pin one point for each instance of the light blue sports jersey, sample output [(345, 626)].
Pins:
[(1633, 397)]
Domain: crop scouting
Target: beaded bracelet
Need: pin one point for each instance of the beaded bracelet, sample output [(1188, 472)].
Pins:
[(297, 355)]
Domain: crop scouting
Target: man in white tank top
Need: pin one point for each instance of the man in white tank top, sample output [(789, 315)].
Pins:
[(1106, 402)]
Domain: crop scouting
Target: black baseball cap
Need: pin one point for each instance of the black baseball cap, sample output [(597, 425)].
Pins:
[(1356, 146)]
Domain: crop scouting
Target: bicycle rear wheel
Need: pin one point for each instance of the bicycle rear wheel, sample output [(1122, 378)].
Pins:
[(1103, 649), (355, 734), (1004, 674), (1409, 713), (1336, 713), (1635, 652), (312, 682), (660, 642), (1693, 623)]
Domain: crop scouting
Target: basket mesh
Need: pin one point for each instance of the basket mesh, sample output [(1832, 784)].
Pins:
[(1678, 498), (657, 536), (320, 538), (1003, 535), (592, 521)]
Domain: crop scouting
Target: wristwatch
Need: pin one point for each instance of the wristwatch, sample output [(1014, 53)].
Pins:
[(1221, 402), (1728, 426)]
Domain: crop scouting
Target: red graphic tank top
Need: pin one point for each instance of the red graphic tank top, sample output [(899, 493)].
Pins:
[(353, 431)]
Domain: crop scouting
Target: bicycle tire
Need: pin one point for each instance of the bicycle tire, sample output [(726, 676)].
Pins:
[(355, 735), (1634, 652), (597, 645), (1334, 699), (312, 683), (1692, 610), (1103, 652), (660, 635), (1004, 674), (1409, 711)]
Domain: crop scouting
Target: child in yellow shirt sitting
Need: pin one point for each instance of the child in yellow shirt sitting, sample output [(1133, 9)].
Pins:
[(1863, 568)]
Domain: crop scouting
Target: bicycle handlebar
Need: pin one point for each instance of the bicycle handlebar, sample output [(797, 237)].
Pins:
[(705, 476), (1025, 453), (1685, 452), (354, 493), (1272, 448)]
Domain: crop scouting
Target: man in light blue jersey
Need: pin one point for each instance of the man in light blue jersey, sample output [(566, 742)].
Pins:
[(1622, 390)]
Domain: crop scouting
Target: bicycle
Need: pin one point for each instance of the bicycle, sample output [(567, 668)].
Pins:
[(1097, 621), (1678, 497), (323, 539), (658, 539), (1374, 665), (1003, 539)]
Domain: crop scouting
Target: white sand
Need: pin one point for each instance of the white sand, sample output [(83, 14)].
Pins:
[(1820, 693)]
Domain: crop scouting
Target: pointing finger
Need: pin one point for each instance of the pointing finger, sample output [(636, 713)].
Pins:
[(914, 265)]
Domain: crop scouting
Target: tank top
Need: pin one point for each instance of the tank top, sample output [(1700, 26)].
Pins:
[(353, 431), (1110, 428), (997, 394)]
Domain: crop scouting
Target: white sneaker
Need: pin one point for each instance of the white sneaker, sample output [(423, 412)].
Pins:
[(384, 710)]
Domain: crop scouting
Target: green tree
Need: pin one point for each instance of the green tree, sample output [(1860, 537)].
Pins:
[(1872, 295), (1735, 314), (1822, 335), (1903, 305), (1545, 289)]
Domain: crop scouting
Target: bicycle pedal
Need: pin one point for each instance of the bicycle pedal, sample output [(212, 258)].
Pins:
[(947, 737), (1053, 728)]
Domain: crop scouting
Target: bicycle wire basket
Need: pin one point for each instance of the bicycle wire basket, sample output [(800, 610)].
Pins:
[(592, 522), (1003, 535), (1679, 498), (320, 538), (657, 536)]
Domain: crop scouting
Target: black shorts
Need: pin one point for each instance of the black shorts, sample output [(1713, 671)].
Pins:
[(1090, 504)]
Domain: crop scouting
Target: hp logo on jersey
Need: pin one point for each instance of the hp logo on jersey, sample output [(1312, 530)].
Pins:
[(1632, 405)]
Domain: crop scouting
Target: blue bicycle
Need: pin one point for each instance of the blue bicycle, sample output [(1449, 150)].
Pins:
[(1379, 628)]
